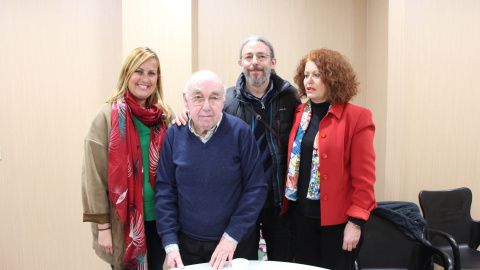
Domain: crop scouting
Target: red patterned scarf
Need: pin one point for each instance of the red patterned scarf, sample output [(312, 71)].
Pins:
[(125, 172)]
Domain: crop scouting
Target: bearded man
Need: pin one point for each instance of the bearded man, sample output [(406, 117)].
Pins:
[(267, 104)]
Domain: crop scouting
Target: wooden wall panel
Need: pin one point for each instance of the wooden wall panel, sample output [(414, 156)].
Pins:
[(377, 84), (59, 61), (432, 129), (166, 27), (394, 181)]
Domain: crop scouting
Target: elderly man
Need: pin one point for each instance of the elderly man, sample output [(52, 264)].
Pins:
[(267, 104), (210, 184)]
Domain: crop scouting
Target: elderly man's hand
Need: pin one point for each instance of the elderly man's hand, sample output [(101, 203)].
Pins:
[(174, 260), (181, 119), (222, 253)]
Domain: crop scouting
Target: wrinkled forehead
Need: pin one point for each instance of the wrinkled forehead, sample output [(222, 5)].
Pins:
[(207, 87), (205, 92)]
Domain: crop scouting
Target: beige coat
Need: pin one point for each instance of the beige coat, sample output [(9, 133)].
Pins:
[(96, 205)]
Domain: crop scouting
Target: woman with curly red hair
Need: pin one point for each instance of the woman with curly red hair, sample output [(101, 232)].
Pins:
[(331, 170)]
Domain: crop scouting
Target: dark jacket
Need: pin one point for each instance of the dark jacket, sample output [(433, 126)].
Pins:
[(281, 109), (407, 217)]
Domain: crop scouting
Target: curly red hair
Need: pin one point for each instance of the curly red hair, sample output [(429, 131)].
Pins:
[(336, 73)]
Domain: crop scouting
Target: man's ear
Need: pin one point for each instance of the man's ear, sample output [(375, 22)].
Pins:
[(185, 101), (274, 62)]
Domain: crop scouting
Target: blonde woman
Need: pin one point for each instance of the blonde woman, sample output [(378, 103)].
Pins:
[(122, 150)]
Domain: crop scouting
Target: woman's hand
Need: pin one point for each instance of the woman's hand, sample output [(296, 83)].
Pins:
[(105, 237), (351, 236), (181, 119)]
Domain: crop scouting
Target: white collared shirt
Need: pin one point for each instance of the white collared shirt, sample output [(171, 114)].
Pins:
[(209, 134)]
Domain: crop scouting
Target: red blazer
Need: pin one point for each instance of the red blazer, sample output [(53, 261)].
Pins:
[(347, 163)]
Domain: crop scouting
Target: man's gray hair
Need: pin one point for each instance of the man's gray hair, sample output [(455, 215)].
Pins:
[(258, 38), (202, 74)]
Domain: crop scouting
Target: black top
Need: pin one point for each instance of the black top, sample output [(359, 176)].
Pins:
[(260, 106), (307, 207)]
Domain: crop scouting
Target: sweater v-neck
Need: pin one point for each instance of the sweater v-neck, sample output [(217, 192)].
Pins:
[(214, 136)]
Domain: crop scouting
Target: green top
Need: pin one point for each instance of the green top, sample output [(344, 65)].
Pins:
[(148, 193)]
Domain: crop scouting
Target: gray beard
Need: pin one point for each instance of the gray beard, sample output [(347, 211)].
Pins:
[(257, 82)]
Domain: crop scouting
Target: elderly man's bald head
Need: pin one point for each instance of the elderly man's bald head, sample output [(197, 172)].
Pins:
[(204, 75), (204, 97)]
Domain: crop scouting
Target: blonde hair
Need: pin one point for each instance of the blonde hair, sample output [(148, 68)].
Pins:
[(134, 59)]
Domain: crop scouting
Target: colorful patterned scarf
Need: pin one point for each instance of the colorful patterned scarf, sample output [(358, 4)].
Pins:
[(125, 172), (294, 163)]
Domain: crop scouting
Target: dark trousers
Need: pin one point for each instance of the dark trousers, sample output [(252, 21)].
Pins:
[(321, 246), (155, 251), (277, 232), (195, 251)]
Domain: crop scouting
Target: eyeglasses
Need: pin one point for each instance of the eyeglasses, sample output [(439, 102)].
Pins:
[(199, 100), (261, 57)]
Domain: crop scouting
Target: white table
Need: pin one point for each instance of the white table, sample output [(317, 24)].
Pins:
[(259, 265)]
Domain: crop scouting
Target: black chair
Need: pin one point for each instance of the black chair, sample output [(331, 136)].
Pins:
[(386, 247), (451, 226)]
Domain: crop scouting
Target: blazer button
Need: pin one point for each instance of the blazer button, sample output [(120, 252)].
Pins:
[(325, 198), (325, 177), (324, 156), (323, 135)]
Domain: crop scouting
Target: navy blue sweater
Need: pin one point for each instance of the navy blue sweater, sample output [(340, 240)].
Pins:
[(204, 190)]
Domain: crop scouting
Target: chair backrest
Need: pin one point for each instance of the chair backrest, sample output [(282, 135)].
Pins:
[(386, 247), (448, 211)]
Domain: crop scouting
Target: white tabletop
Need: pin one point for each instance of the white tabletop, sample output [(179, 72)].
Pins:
[(258, 265)]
